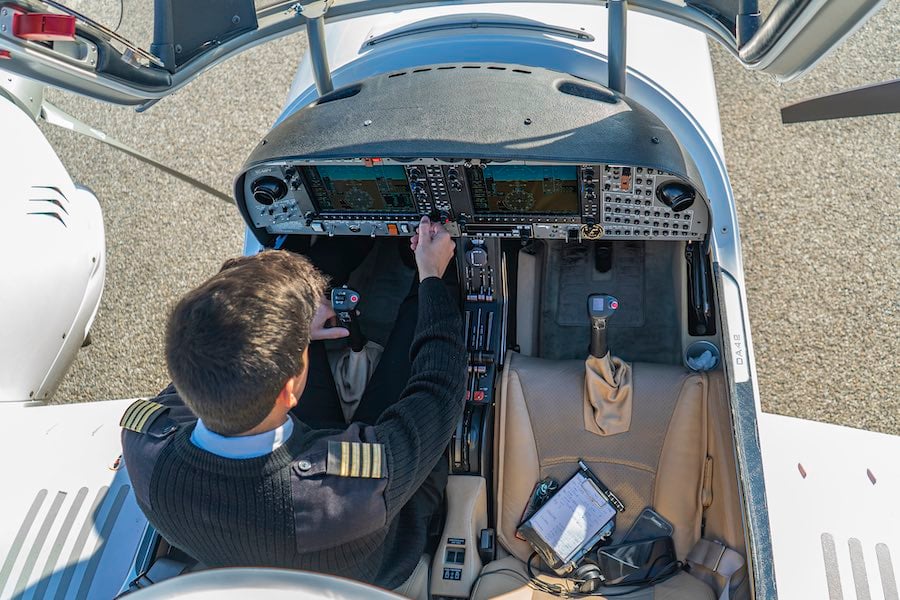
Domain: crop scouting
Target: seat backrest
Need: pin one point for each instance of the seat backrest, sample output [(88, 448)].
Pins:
[(658, 462)]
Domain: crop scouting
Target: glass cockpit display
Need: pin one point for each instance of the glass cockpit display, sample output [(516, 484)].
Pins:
[(359, 189), (524, 189)]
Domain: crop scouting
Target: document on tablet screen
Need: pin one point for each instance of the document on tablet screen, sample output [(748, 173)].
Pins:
[(572, 517)]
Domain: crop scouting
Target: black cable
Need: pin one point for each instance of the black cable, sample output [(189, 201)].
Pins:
[(121, 14), (557, 590)]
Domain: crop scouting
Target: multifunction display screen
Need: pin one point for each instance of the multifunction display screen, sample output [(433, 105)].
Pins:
[(524, 189), (358, 189)]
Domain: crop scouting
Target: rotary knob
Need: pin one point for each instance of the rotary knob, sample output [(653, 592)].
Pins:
[(477, 256)]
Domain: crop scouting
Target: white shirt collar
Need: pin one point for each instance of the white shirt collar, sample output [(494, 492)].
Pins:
[(243, 446)]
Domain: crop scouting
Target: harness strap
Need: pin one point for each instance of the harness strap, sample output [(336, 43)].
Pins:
[(718, 558)]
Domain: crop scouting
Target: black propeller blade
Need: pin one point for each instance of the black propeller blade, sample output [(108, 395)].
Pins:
[(874, 99)]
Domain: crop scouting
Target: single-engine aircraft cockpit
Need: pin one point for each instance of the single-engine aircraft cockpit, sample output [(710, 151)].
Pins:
[(559, 192), (612, 427)]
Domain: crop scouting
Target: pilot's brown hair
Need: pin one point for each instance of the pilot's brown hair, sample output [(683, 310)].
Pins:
[(233, 342)]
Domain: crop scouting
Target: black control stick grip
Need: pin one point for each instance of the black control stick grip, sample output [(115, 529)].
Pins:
[(600, 308), (344, 302)]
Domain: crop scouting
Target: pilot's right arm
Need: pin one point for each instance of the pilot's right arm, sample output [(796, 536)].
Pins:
[(416, 429)]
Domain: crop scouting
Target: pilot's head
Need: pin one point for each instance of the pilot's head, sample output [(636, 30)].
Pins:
[(237, 346)]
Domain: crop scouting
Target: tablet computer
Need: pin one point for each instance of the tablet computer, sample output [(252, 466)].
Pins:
[(572, 521)]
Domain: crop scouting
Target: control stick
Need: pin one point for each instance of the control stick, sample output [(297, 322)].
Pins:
[(600, 308), (344, 301)]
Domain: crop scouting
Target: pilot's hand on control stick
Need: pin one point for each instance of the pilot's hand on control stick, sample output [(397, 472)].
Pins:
[(318, 329), (433, 247)]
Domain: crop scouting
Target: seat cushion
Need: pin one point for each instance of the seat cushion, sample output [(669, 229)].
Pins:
[(506, 579), (416, 586), (657, 462)]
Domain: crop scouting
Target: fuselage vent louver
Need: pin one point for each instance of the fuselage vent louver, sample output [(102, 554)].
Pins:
[(47, 202)]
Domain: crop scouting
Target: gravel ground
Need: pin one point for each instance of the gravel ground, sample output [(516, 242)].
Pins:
[(822, 277)]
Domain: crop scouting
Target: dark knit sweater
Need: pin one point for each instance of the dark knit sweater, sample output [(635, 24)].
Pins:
[(270, 511)]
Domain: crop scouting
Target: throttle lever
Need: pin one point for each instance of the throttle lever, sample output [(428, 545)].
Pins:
[(344, 302)]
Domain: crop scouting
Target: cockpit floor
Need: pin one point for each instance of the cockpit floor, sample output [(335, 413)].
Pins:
[(645, 328)]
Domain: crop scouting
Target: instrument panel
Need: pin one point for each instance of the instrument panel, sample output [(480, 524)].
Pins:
[(383, 197)]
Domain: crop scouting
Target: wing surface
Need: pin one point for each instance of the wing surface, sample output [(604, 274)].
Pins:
[(833, 506)]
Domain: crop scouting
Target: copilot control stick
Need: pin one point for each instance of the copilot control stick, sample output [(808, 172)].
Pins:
[(344, 301), (600, 308)]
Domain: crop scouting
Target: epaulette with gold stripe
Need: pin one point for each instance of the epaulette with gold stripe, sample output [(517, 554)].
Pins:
[(141, 415), (356, 459)]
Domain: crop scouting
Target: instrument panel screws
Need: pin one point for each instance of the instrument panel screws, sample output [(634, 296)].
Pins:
[(654, 139), (367, 122), (178, 48), (235, 19), (528, 121)]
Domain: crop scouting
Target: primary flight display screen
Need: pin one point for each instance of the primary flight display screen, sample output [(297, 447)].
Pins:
[(358, 189), (524, 189)]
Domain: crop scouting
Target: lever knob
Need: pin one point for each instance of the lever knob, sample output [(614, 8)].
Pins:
[(600, 308), (676, 195)]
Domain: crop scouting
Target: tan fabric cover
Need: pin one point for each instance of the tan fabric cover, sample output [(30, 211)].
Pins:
[(607, 395), (352, 371), (724, 516), (541, 433), (416, 587), (677, 495), (506, 586)]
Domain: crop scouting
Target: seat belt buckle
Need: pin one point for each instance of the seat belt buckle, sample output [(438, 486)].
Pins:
[(722, 548), (708, 553)]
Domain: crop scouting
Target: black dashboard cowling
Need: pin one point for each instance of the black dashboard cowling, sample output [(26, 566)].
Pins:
[(473, 111), (456, 113)]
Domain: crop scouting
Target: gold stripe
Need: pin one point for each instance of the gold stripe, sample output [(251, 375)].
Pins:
[(130, 410), (367, 460), (345, 459), (146, 417), (136, 414), (376, 461), (354, 460)]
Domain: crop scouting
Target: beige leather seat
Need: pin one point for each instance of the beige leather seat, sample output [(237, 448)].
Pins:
[(416, 587), (658, 462)]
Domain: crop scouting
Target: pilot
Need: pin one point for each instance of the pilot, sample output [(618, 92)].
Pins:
[(226, 472)]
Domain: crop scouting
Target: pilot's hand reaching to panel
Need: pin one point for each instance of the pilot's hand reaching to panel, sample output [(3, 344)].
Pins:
[(433, 247)]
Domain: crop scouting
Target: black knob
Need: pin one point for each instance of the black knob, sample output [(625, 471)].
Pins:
[(676, 195), (267, 190)]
